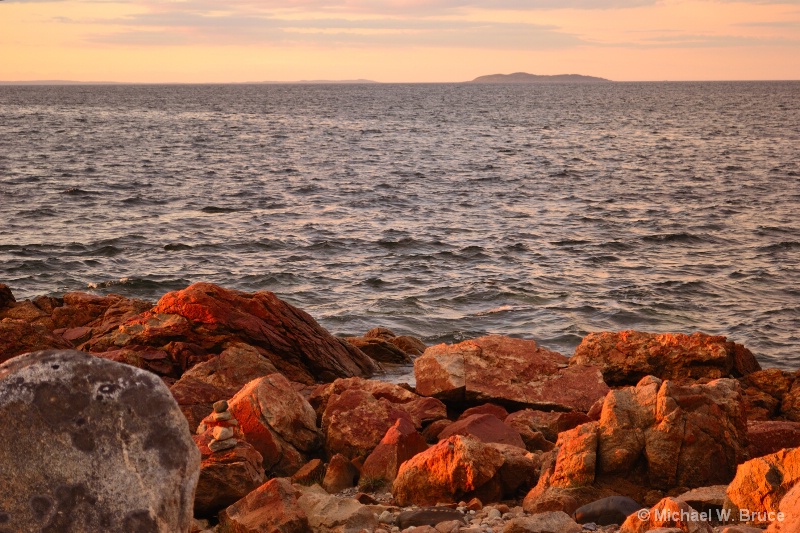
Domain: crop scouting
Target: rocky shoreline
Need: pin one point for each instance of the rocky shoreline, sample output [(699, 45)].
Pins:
[(276, 425)]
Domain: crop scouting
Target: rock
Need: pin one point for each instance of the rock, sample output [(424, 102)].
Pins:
[(6, 296), (691, 436), (380, 350), (340, 475), (330, 514), (421, 410), (790, 403), (747, 529), (768, 437), (706, 499), (272, 507), (520, 469), (410, 345), (668, 513), (764, 391), (278, 422), (18, 337), (429, 516), (401, 443), (548, 423), (625, 357), (485, 428), (219, 378), (310, 473), (507, 371), (789, 520), (431, 433), (550, 522), (761, 483), (607, 511), (105, 448), (209, 318), (485, 409), (454, 468), (226, 477)]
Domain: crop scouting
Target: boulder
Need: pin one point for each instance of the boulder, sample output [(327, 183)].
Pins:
[(668, 513), (412, 346), (764, 391), (548, 423), (761, 483), (429, 516), (105, 447), (790, 403), (625, 357), (310, 473), (789, 519), (709, 500), (278, 422), (768, 437), (485, 409), (204, 319), (519, 471), (454, 468), (272, 507), (219, 378), (485, 428), (331, 514), (548, 522), (226, 476), (340, 474), (507, 371), (400, 443), (6, 296), (607, 511)]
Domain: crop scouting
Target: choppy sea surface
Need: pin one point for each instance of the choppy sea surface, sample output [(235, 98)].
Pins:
[(445, 211)]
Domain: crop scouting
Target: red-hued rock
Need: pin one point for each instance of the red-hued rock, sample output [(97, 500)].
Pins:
[(768, 437), (272, 507), (662, 515), (340, 474), (333, 514), (485, 428), (277, 421), (508, 371), (210, 318), (691, 436), (380, 350), (410, 345), (401, 443), (6, 296), (310, 473), (456, 468), (354, 422), (548, 423), (485, 409), (519, 471), (625, 357), (790, 403), (226, 476), (431, 432), (219, 378), (576, 459), (761, 483), (18, 337), (764, 391)]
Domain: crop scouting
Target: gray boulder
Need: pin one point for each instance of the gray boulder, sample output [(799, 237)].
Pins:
[(92, 445)]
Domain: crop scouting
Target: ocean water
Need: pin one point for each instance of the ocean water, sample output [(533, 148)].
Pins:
[(444, 211)]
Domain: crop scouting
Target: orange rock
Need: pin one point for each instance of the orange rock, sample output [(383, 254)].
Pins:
[(455, 468), (668, 513), (340, 474), (761, 483), (507, 370), (18, 337), (277, 421), (485, 428), (401, 443), (625, 357), (768, 437), (271, 507), (226, 476)]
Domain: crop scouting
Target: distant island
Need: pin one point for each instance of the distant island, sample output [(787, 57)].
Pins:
[(524, 77)]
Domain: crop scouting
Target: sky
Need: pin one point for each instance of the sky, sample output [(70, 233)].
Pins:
[(200, 41)]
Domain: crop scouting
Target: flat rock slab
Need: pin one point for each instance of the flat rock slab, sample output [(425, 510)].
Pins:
[(92, 445)]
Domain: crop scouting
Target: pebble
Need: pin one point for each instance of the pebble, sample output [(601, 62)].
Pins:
[(493, 514), (220, 406), (219, 445)]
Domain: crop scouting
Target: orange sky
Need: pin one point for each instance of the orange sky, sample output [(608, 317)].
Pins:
[(396, 40)]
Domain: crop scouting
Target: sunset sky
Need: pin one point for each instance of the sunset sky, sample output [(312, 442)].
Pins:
[(396, 40)]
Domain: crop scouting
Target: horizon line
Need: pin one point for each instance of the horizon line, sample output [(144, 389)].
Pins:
[(367, 82)]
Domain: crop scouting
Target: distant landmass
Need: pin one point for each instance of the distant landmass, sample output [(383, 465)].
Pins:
[(524, 77)]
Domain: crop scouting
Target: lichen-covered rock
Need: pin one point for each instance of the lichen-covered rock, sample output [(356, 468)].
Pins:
[(625, 357), (19, 336), (278, 422), (454, 468), (97, 446), (507, 371), (272, 507)]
